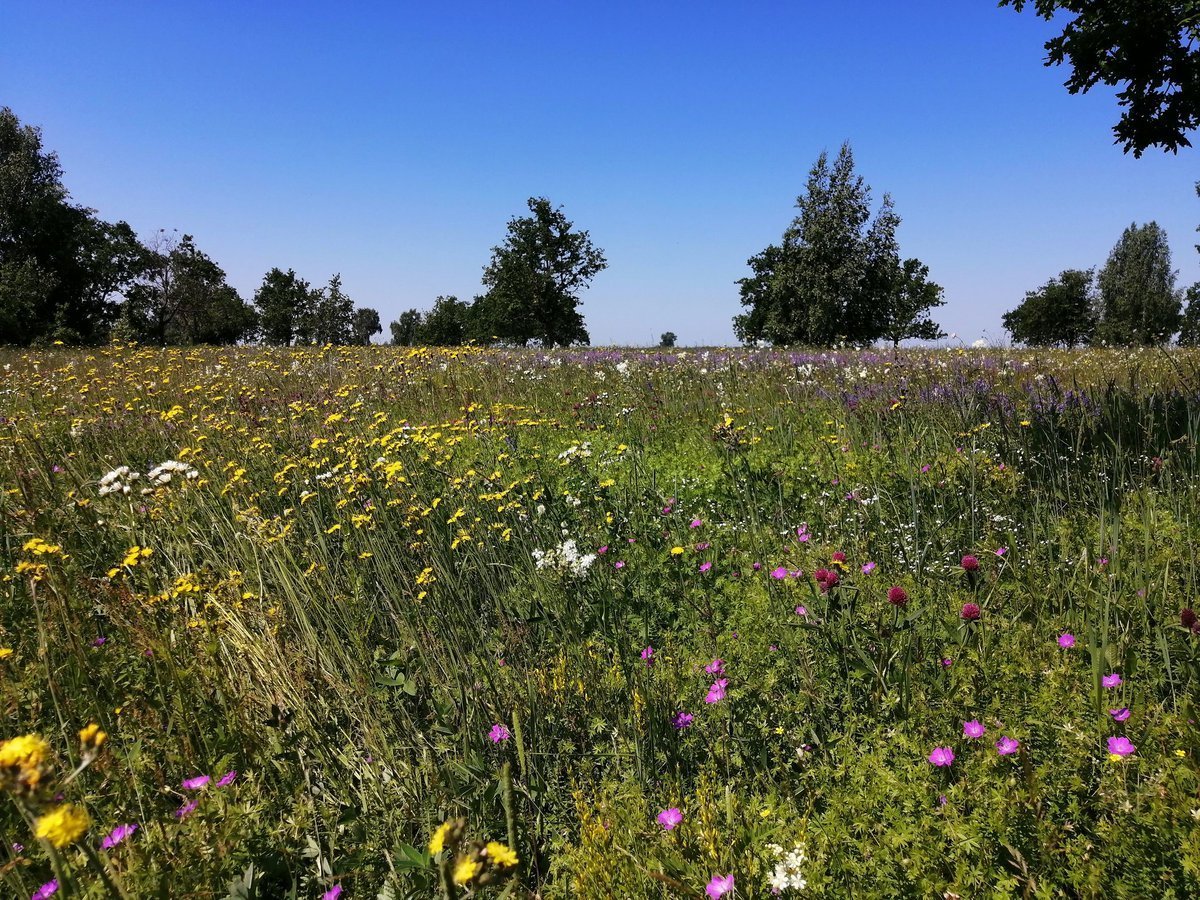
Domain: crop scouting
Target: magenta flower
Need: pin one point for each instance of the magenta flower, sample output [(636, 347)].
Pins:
[(1007, 745), (973, 729), (970, 564), (669, 818), (1111, 681), (619, 564), (499, 734), (756, 566), (947, 662), (705, 566), (648, 656), (682, 720), (187, 809), (971, 612), (117, 835), (333, 893), (719, 886), (1000, 551), (602, 550), (1066, 640), (228, 778), (696, 523), (1120, 715), (941, 756), (194, 783), (779, 572), (716, 667), (49, 889), (1120, 746), (897, 596), (716, 691), (801, 611), (868, 568)]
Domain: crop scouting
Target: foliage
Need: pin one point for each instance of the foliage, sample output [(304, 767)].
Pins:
[(534, 279), (364, 324), (1061, 313), (282, 300), (448, 324), (1139, 303), (1150, 48), (406, 328), (668, 339)]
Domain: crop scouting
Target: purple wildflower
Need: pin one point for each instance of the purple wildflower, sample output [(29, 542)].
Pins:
[(719, 886), (1066, 640), (1120, 746), (941, 756), (1111, 681), (231, 776), (868, 568), (49, 889), (716, 667), (194, 783), (716, 692), (1120, 715), (669, 818), (682, 720), (779, 572), (187, 809), (499, 734), (118, 835), (1007, 745), (333, 893), (705, 566), (973, 729), (648, 656)]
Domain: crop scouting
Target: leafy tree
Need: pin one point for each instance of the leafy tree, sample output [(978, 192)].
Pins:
[(60, 266), (182, 297), (1061, 313), (837, 275), (1139, 303), (534, 280), (364, 324), (405, 330), (448, 324), (283, 301), (331, 319), (1151, 48), (1189, 326), (668, 339)]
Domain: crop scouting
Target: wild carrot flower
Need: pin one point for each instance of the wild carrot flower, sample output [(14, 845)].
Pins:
[(973, 729), (499, 734), (716, 691), (1066, 640), (682, 720), (117, 836), (897, 596), (669, 818), (1120, 746), (1120, 715), (719, 886), (971, 612), (194, 783), (1112, 680), (1007, 745), (941, 756)]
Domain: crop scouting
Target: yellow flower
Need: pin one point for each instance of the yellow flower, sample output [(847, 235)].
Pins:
[(26, 752), (465, 869), (1177, 752), (501, 854), (63, 825), (92, 736), (5, 652), (677, 551), (438, 842)]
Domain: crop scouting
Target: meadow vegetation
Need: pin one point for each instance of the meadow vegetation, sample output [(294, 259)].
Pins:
[(398, 622)]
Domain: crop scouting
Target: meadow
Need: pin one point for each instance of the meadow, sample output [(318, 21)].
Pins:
[(408, 623)]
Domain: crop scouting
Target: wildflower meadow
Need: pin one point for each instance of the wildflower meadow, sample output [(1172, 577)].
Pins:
[(369, 622)]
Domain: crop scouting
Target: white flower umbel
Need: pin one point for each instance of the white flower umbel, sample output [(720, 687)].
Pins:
[(565, 559)]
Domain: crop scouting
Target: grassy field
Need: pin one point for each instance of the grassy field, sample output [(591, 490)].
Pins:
[(391, 623)]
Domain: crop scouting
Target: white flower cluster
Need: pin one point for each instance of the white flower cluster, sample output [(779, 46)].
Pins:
[(787, 874), (565, 559), (577, 451), (122, 480)]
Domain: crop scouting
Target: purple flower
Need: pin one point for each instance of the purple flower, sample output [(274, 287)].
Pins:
[(49, 889), (648, 656), (1120, 746), (682, 720), (756, 566), (117, 835), (187, 809), (1007, 745), (719, 886), (973, 729), (695, 523), (970, 612), (947, 662), (231, 776), (98, 642), (868, 568), (669, 818), (716, 691), (801, 611), (194, 783), (619, 564), (1001, 551), (897, 596), (941, 756), (970, 564), (498, 734), (716, 667), (1066, 640), (779, 572), (333, 893), (1111, 681), (705, 566), (602, 550), (1120, 715)]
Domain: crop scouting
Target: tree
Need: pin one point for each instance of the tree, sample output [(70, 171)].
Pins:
[(1150, 48), (1189, 326), (534, 280), (1139, 303), (364, 324), (283, 301), (837, 274), (60, 266), (1061, 313), (668, 339), (448, 324), (331, 319), (406, 329)]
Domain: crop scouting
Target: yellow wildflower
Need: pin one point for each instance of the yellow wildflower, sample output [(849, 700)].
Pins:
[(465, 869), (27, 751), (677, 551), (63, 825), (438, 842), (5, 652), (501, 855), (92, 736)]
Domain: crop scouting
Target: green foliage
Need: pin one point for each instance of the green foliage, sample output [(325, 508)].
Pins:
[(1139, 303), (448, 324), (1061, 313), (1150, 48), (364, 324), (668, 339), (406, 329), (282, 301)]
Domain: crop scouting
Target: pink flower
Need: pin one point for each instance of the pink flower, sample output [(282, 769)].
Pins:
[(868, 568), (602, 550), (1120, 715), (801, 611), (117, 835), (779, 572), (682, 720), (47, 890), (897, 596), (716, 667), (669, 818), (1111, 681), (971, 612), (1007, 745), (705, 566), (620, 564), (231, 776), (333, 893), (648, 656), (187, 809), (1066, 640), (716, 692), (719, 886), (970, 564), (973, 729), (1120, 746), (695, 523), (1001, 551), (941, 756), (194, 783), (499, 734)]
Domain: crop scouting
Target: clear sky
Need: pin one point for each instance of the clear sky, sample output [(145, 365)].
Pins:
[(392, 141)]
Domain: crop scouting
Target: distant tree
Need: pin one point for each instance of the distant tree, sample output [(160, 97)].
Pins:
[(1061, 313), (448, 324), (405, 330), (837, 275), (182, 297), (1151, 48), (332, 315), (283, 301), (1189, 326), (667, 340), (364, 324), (534, 280), (60, 266), (1139, 303)]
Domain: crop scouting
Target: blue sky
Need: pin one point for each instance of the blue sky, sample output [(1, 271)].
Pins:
[(392, 142)]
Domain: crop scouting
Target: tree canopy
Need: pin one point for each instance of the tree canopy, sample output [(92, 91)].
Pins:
[(1139, 302), (1061, 313), (1150, 49)]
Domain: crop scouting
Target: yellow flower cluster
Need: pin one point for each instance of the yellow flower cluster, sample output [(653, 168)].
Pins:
[(63, 825)]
